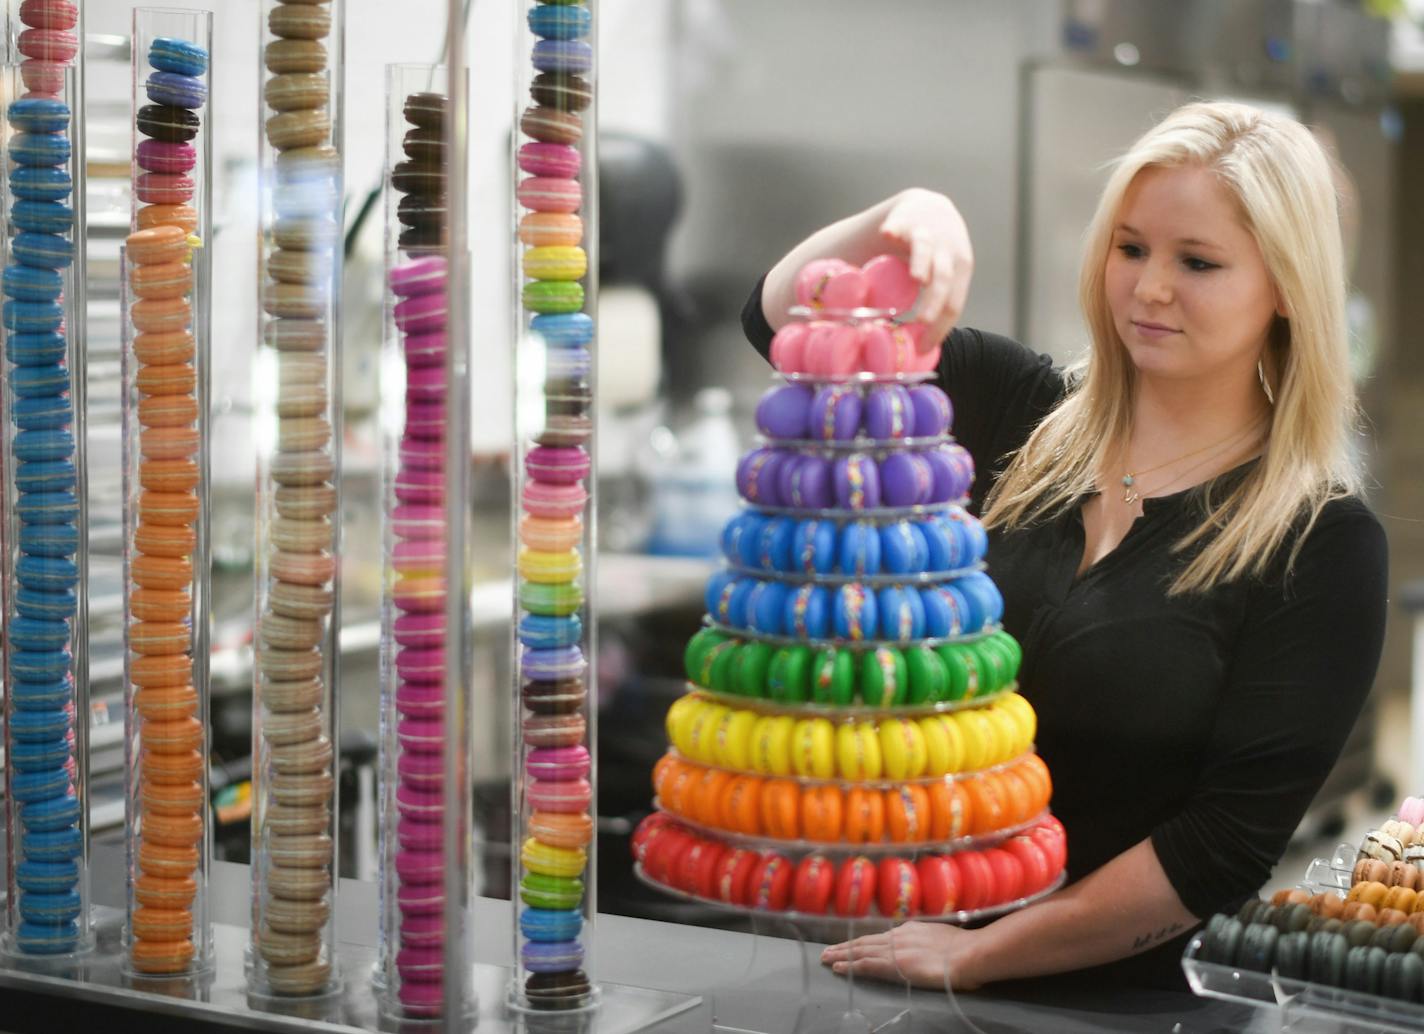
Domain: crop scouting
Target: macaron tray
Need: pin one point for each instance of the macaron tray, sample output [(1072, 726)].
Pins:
[(1344, 947), (851, 741)]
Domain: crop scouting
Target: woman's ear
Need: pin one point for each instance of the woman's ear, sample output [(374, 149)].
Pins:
[(1281, 309)]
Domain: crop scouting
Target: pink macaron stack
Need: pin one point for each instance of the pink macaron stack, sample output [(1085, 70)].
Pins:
[(48, 44), (418, 594), (854, 319)]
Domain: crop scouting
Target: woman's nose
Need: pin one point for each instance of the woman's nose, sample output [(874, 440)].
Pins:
[(1154, 284)]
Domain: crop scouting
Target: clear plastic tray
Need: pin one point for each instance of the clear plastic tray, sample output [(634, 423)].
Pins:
[(955, 918), (766, 705), (748, 635), (874, 515), (838, 847), (872, 580), (847, 445), (862, 784)]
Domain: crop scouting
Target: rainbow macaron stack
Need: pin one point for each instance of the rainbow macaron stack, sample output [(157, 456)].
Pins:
[(169, 776), (557, 806), (294, 822), (418, 286), (45, 828), (852, 741)]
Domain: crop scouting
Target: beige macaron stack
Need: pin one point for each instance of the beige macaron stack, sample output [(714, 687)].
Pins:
[(295, 865)]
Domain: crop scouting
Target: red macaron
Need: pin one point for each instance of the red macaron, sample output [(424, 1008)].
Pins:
[(664, 852), (647, 831), (1008, 875), (898, 886), (734, 870), (855, 887), (976, 880), (939, 885), (770, 883), (814, 883), (1037, 872), (698, 868)]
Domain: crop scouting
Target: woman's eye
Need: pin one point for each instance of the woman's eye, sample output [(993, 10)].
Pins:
[(1197, 265), (1131, 250)]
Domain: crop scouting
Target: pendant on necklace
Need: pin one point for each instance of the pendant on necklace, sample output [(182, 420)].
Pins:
[(1128, 495)]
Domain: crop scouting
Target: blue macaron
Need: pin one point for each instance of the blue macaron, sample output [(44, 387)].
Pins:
[(561, 55), (943, 544), (898, 552), (179, 56), (47, 938), (53, 814), (35, 349), (39, 115), (560, 21), (32, 317), (50, 908), (48, 475), (975, 537), (39, 786), (774, 544), (858, 551), (544, 632), (42, 413), (947, 612), (748, 539), (38, 634), (41, 182), (766, 607), (808, 612), (46, 877), (984, 594), (40, 755), (41, 696), (902, 614), (717, 596), (49, 250), (550, 924), (42, 216), (30, 381), (855, 614), (54, 540), (39, 665), (551, 956), (48, 507), (43, 446), (39, 603), (735, 536), (176, 90), (737, 615), (40, 148), (813, 548), (46, 573), (563, 329), (52, 845)]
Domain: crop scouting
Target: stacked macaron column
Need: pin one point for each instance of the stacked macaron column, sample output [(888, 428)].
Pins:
[(852, 741), (416, 411), (298, 421), (44, 590), (165, 367), (556, 263)]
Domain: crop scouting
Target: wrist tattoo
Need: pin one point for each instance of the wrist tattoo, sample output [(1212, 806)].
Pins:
[(1147, 940)]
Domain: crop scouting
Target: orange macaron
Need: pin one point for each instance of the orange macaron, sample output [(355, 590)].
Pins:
[(176, 736), (171, 798), (907, 813), (163, 860), (167, 410), (165, 892), (822, 809), (166, 378), (185, 767), (864, 821), (161, 956), (166, 704), (167, 346), (950, 810), (173, 830), (168, 507), (781, 809), (741, 805), (167, 540), (160, 604), (161, 572), (160, 670), (160, 637)]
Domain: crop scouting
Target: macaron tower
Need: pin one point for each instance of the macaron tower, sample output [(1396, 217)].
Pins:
[(414, 646), (165, 595), (852, 742), (47, 899), (294, 721), (554, 806)]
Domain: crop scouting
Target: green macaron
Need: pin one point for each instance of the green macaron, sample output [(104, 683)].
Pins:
[(789, 677), (553, 296), (884, 681), (752, 664), (833, 677), (929, 679)]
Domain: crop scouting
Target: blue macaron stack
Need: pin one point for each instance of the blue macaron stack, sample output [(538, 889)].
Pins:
[(40, 737)]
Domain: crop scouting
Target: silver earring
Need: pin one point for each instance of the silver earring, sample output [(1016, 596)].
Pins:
[(1265, 386)]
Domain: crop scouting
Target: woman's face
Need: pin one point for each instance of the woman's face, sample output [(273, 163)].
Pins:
[(1189, 292)]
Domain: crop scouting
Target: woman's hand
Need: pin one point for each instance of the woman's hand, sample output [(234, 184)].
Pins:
[(933, 235), (921, 954)]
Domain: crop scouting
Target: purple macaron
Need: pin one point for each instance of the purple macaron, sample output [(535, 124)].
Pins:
[(807, 484), (933, 412), (759, 476), (857, 482), (784, 412), (905, 479), (835, 413), (889, 413)]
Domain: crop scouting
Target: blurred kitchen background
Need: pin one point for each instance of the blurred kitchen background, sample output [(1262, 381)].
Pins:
[(729, 129)]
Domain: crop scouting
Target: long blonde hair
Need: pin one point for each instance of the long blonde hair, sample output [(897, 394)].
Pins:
[(1285, 187)]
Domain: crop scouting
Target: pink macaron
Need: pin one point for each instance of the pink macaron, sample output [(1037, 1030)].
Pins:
[(420, 630), (557, 160), (419, 834), (788, 348), (427, 770), (422, 313), (163, 188), (49, 14), (422, 453), (425, 384), (418, 522), (885, 348), (418, 555), (830, 284), (49, 45), (420, 699), (420, 804), (550, 194), (422, 735), (426, 418), (423, 276), (832, 350), (1412, 811), (422, 967), (42, 77), (426, 348), (566, 797), (421, 664), (557, 465), (545, 500), (558, 764), (421, 898), (889, 284), (422, 931), (164, 157), (420, 866), (423, 592), (413, 485)]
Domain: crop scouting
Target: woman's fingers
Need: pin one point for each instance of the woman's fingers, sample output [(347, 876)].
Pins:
[(854, 948)]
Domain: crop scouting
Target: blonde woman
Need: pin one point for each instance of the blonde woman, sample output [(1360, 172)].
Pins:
[(1177, 530)]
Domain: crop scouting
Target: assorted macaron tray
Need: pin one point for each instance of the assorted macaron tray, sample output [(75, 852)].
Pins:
[(555, 813), (896, 481), (48, 915), (958, 887)]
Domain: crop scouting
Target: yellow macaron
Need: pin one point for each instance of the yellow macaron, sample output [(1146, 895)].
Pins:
[(771, 745), (814, 748), (734, 740), (1023, 713), (555, 262), (944, 747), (702, 733), (858, 751), (902, 746), (541, 858), (679, 717), (980, 739), (536, 565)]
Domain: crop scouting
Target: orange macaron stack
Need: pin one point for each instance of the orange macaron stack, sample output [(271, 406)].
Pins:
[(169, 780)]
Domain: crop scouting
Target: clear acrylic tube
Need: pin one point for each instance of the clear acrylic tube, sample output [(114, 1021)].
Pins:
[(45, 584), (421, 406), (555, 266), (298, 430), (166, 274)]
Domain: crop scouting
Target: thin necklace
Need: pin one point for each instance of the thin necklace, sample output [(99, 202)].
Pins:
[(1130, 493)]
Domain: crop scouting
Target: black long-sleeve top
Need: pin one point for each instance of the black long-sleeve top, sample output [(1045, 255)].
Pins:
[(1207, 722)]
